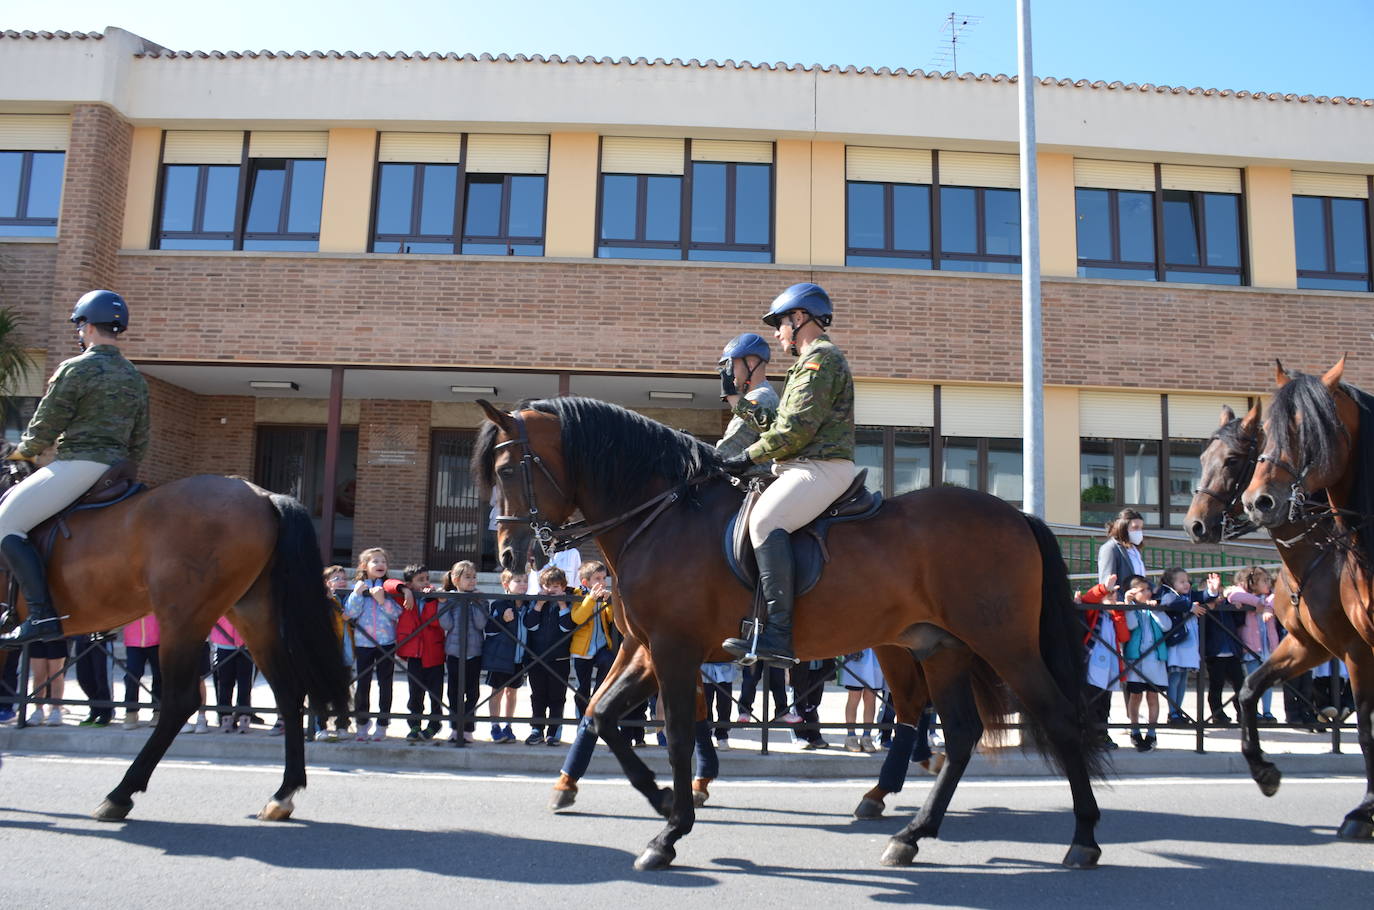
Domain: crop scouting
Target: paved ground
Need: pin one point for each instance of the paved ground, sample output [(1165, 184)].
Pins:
[(420, 839)]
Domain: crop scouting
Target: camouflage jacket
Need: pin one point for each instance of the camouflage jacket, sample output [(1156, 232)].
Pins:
[(742, 431), (815, 418), (96, 409)]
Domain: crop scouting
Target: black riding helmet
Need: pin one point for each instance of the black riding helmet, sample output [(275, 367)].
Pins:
[(103, 308)]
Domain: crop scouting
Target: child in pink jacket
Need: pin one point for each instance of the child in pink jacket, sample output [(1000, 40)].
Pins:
[(1259, 632), (233, 667), (141, 638)]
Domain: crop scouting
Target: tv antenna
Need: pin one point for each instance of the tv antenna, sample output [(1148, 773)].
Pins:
[(957, 27)]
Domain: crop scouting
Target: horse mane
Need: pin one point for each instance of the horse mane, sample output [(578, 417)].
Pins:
[(1362, 498), (1320, 432), (609, 449)]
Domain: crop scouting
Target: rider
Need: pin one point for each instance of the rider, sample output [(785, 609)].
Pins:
[(744, 356), (810, 439), (96, 410)]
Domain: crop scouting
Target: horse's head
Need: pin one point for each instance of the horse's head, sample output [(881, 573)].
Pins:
[(521, 454), (1227, 463), (1307, 445)]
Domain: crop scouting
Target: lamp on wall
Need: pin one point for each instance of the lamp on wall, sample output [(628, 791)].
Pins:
[(673, 396), (472, 389), (285, 385)]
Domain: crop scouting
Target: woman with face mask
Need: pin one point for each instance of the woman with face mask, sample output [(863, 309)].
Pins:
[(1120, 555)]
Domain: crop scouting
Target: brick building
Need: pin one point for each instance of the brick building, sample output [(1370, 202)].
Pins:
[(402, 234)]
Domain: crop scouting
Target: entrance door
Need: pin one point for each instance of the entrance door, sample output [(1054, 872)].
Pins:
[(458, 515), (290, 460)]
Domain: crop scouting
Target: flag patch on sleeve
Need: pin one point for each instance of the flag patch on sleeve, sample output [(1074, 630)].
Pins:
[(812, 365)]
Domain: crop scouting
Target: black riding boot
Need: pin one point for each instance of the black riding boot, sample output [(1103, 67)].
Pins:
[(776, 578), (41, 623)]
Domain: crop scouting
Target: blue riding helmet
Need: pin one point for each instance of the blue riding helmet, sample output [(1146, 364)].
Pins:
[(806, 296), (103, 308), (745, 345)]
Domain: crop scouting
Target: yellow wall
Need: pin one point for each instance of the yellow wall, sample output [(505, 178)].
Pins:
[(142, 189), (792, 213), (1269, 227), (571, 225), (345, 215), (827, 203), (1061, 455), (1058, 225)]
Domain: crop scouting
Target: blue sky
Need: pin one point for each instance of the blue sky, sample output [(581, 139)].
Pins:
[(1257, 45)]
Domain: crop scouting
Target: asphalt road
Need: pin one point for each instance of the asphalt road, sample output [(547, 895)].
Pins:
[(408, 839)]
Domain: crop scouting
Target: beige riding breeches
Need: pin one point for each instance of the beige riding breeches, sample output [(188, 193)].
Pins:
[(804, 487), (46, 492)]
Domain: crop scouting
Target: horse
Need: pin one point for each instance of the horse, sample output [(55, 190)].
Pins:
[(1319, 436), (189, 552), (1307, 593), (961, 580)]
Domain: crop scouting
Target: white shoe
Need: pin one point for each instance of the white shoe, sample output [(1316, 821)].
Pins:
[(244, 723), (55, 716), (745, 719), (37, 718), (851, 744), (226, 724), (365, 732), (468, 737), (131, 721), (378, 733), (722, 745), (322, 736), (866, 743), (791, 717), (202, 724)]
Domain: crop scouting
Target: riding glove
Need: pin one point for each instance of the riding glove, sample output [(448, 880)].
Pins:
[(737, 464), (727, 383)]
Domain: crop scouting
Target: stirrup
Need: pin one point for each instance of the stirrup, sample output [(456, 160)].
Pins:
[(752, 657)]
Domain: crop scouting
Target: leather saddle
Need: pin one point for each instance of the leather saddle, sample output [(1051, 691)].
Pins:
[(118, 483), (809, 548)]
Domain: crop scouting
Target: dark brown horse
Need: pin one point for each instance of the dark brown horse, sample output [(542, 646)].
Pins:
[(1307, 593), (190, 552), (965, 582)]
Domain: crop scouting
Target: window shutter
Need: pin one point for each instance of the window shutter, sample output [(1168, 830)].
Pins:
[(279, 144), (1198, 416), (980, 411), (34, 132), (1348, 186), (420, 148), (888, 165), (726, 150), (626, 155), (1119, 415), (1206, 179), (894, 404), (202, 147), (490, 153), (1113, 175), (979, 169)]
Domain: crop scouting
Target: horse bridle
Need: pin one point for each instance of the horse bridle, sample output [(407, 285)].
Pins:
[(1230, 527)]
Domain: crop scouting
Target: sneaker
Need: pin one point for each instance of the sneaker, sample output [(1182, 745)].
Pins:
[(244, 722), (6, 715), (723, 745), (322, 736), (866, 743), (131, 721), (101, 721), (226, 724), (851, 744), (431, 731), (745, 718), (791, 717), (814, 744), (661, 739), (535, 738), (55, 716), (1138, 741), (1108, 743), (379, 733), (414, 735), (1179, 720), (1151, 742), (497, 734), (364, 732), (509, 734), (468, 737), (277, 729), (202, 724), (553, 741)]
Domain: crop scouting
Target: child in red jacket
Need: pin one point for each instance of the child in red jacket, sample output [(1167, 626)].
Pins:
[(420, 640), (1105, 667)]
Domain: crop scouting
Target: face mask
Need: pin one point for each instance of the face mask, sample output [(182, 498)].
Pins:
[(1135, 537)]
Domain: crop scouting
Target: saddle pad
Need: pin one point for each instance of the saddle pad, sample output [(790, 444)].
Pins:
[(806, 553)]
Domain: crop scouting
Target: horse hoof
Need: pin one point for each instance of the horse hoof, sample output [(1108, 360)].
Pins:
[(276, 811), (869, 809), (1082, 857), (655, 858), (562, 799), (1268, 777), (111, 812), (1356, 829), (898, 854), (665, 801)]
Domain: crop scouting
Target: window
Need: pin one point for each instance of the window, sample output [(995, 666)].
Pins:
[(200, 207), (30, 193), (416, 208), (1116, 234), (732, 212), (459, 516), (290, 460), (1332, 237), (17, 411), (504, 215), (898, 458), (888, 225), (1116, 474), (980, 229), (991, 464), (1201, 237), (641, 216)]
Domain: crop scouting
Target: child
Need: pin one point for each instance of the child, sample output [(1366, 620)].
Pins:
[(420, 640), (1258, 630), (233, 667), (336, 585), (1224, 650), (1147, 656), (591, 642), (862, 678), (374, 612), (547, 623), (1105, 668), (1176, 595), (463, 658), (141, 639), (503, 654), (719, 682)]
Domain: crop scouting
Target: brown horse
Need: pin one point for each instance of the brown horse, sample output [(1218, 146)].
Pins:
[(965, 582), (1307, 594), (190, 552)]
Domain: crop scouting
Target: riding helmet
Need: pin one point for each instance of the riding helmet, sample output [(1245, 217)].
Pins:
[(102, 308), (745, 345), (805, 296)]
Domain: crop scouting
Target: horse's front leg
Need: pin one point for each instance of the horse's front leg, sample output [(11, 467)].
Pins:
[(1359, 822), (1293, 655), (677, 668)]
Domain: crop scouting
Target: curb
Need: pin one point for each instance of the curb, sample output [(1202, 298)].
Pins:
[(397, 755)]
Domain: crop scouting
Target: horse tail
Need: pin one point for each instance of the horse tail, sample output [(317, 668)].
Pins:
[(995, 702), (1061, 648), (310, 657)]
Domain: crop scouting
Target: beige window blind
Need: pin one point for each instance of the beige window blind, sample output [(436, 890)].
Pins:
[(979, 169), (34, 132), (888, 165), (629, 155), (894, 404), (1119, 415), (1349, 186), (1193, 177), (731, 150), (420, 148), (202, 147), (980, 411), (1198, 416), (492, 153), (285, 144), (1113, 175)]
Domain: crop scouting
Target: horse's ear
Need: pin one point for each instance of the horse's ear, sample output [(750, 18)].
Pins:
[(1333, 375), (1281, 376), (1250, 425), (1227, 415), (494, 414)]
